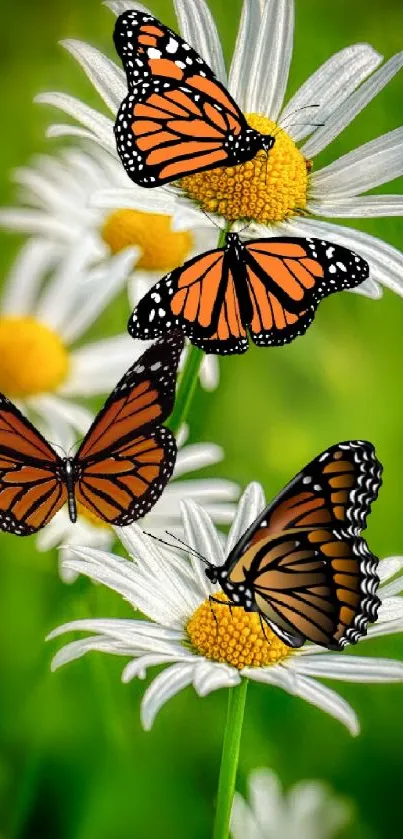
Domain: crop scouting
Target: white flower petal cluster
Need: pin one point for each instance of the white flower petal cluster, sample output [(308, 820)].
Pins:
[(326, 103)]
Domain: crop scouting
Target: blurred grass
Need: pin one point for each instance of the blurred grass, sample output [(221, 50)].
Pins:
[(75, 765)]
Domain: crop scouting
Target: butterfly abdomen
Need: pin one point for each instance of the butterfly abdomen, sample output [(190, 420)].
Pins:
[(70, 481)]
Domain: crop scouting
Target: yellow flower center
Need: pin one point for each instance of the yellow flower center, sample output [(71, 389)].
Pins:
[(236, 639), (32, 357), (91, 517), (162, 248), (267, 189)]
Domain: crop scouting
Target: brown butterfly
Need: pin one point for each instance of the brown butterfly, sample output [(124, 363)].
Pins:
[(122, 466), (303, 564)]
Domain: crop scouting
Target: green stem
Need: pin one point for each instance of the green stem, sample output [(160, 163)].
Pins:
[(229, 759), (188, 378)]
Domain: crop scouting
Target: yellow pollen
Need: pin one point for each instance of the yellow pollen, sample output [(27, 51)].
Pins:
[(91, 517), (267, 189), (162, 248), (32, 357), (236, 639)]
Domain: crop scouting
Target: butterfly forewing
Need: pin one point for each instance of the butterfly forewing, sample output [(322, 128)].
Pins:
[(177, 117), (310, 572), (127, 457), (31, 482)]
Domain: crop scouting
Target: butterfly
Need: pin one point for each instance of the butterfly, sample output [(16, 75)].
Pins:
[(121, 467), (303, 564), (177, 117), (270, 287)]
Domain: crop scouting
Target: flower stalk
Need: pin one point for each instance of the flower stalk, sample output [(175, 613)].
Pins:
[(229, 759)]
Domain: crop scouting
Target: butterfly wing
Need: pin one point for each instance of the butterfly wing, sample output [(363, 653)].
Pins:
[(320, 585), (317, 518), (177, 117), (127, 456), (287, 278), (201, 298), (31, 474)]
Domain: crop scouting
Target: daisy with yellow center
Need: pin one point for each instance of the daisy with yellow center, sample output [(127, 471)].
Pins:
[(58, 209), (44, 311), (204, 643), (284, 193)]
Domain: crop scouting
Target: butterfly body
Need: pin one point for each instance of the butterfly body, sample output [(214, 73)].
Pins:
[(177, 117), (121, 467), (267, 287), (303, 564)]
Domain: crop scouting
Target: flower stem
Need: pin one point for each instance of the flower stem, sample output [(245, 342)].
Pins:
[(188, 378), (229, 759)]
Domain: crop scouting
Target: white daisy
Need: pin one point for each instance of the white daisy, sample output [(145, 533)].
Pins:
[(41, 319), (331, 98), (307, 811), (57, 209), (214, 650), (217, 495)]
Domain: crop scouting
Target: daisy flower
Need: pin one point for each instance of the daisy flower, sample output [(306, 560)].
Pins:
[(207, 649), (217, 494), (307, 811), (58, 208), (287, 195), (44, 310)]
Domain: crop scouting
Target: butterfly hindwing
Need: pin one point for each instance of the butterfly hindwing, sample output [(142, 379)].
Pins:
[(31, 485), (127, 456), (303, 562), (177, 117)]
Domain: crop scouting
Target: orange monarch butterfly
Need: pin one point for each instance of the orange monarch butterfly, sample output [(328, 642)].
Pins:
[(122, 466), (177, 117), (303, 565), (271, 287)]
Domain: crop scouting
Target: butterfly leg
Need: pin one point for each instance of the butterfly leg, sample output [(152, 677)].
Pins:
[(262, 625)]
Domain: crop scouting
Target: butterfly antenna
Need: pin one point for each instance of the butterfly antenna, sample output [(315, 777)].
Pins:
[(212, 220), (188, 547), (58, 446), (170, 545)]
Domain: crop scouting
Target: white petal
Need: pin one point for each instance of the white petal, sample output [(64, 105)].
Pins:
[(54, 532), (130, 632), (328, 87), (388, 567), (392, 607), (164, 687), (370, 165), (349, 668), (53, 409), (327, 700), (197, 456), (34, 260), (272, 57), (386, 262), (378, 630), (209, 676), (57, 301), (101, 127), (349, 109), (120, 6), (210, 373), (243, 822), (241, 65), (96, 368), (108, 79), (199, 30), (137, 669), (250, 505), (201, 535), (60, 129), (368, 206), (102, 285), (395, 587), (133, 199), (34, 222), (76, 649)]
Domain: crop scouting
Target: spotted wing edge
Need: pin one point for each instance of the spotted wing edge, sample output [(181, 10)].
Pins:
[(8, 522)]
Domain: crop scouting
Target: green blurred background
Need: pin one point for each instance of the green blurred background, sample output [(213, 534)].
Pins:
[(74, 761)]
